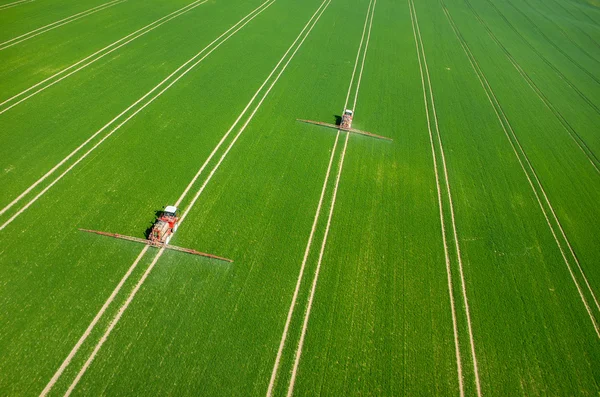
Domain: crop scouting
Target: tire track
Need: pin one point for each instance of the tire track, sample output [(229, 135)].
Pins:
[(425, 71), (119, 286), (313, 20), (313, 288), (290, 314), (531, 175), (295, 47), (544, 59), (360, 53), (592, 20), (333, 201), (210, 47), (16, 3), (442, 222), (113, 323), (579, 141), (19, 39), (92, 325), (96, 56), (558, 27), (556, 47)]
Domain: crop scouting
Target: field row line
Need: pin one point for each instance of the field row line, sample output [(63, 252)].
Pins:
[(298, 42), (276, 367), (553, 44), (283, 339), (300, 346), (560, 28), (117, 289), (581, 12), (36, 32), (546, 60), (358, 53), (579, 141), (14, 4), (144, 101), (313, 287), (532, 177), (275, 370), (577, 25), (92, 325), (114, 321), (424, 71), (295, 47), (96, 56)]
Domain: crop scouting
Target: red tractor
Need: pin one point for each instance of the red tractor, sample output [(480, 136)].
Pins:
[(164, 227), (346, 123)]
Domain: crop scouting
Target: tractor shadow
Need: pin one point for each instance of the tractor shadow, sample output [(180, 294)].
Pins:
[(157, 213), (338, 119)]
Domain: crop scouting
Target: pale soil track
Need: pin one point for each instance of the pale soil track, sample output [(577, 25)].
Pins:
[(14, 4), (425, 71), (591, 156), (92, 325), (111, 298), (330, 216), (219, 41), (284, 335), (313, 288), (113, 323), (250, 103), (96, 56), (274, 373), (441, 211), (554, 45), (531, 175), (286, 327), (54, 25), (131, 296)]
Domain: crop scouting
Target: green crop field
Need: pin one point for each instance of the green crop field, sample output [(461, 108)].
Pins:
[(459, 257)]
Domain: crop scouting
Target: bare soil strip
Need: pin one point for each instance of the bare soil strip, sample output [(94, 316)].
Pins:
[(221, 39), (327, 228), (102, 310), (155, 260), (185, 192), (313, 288), (528, 169), (113, 323), (16, 3), (591, 156), (358, 53), (54, 25), (275, 370), (449, 196), (96, 56), (366, 33), (284, 335), (320, 12), (442, 223), (425, 71), (90, 327)]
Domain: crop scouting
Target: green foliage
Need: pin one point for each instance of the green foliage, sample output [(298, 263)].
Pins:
[(381, 322)]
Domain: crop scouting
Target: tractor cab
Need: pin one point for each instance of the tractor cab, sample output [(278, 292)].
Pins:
[(170, 210)]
